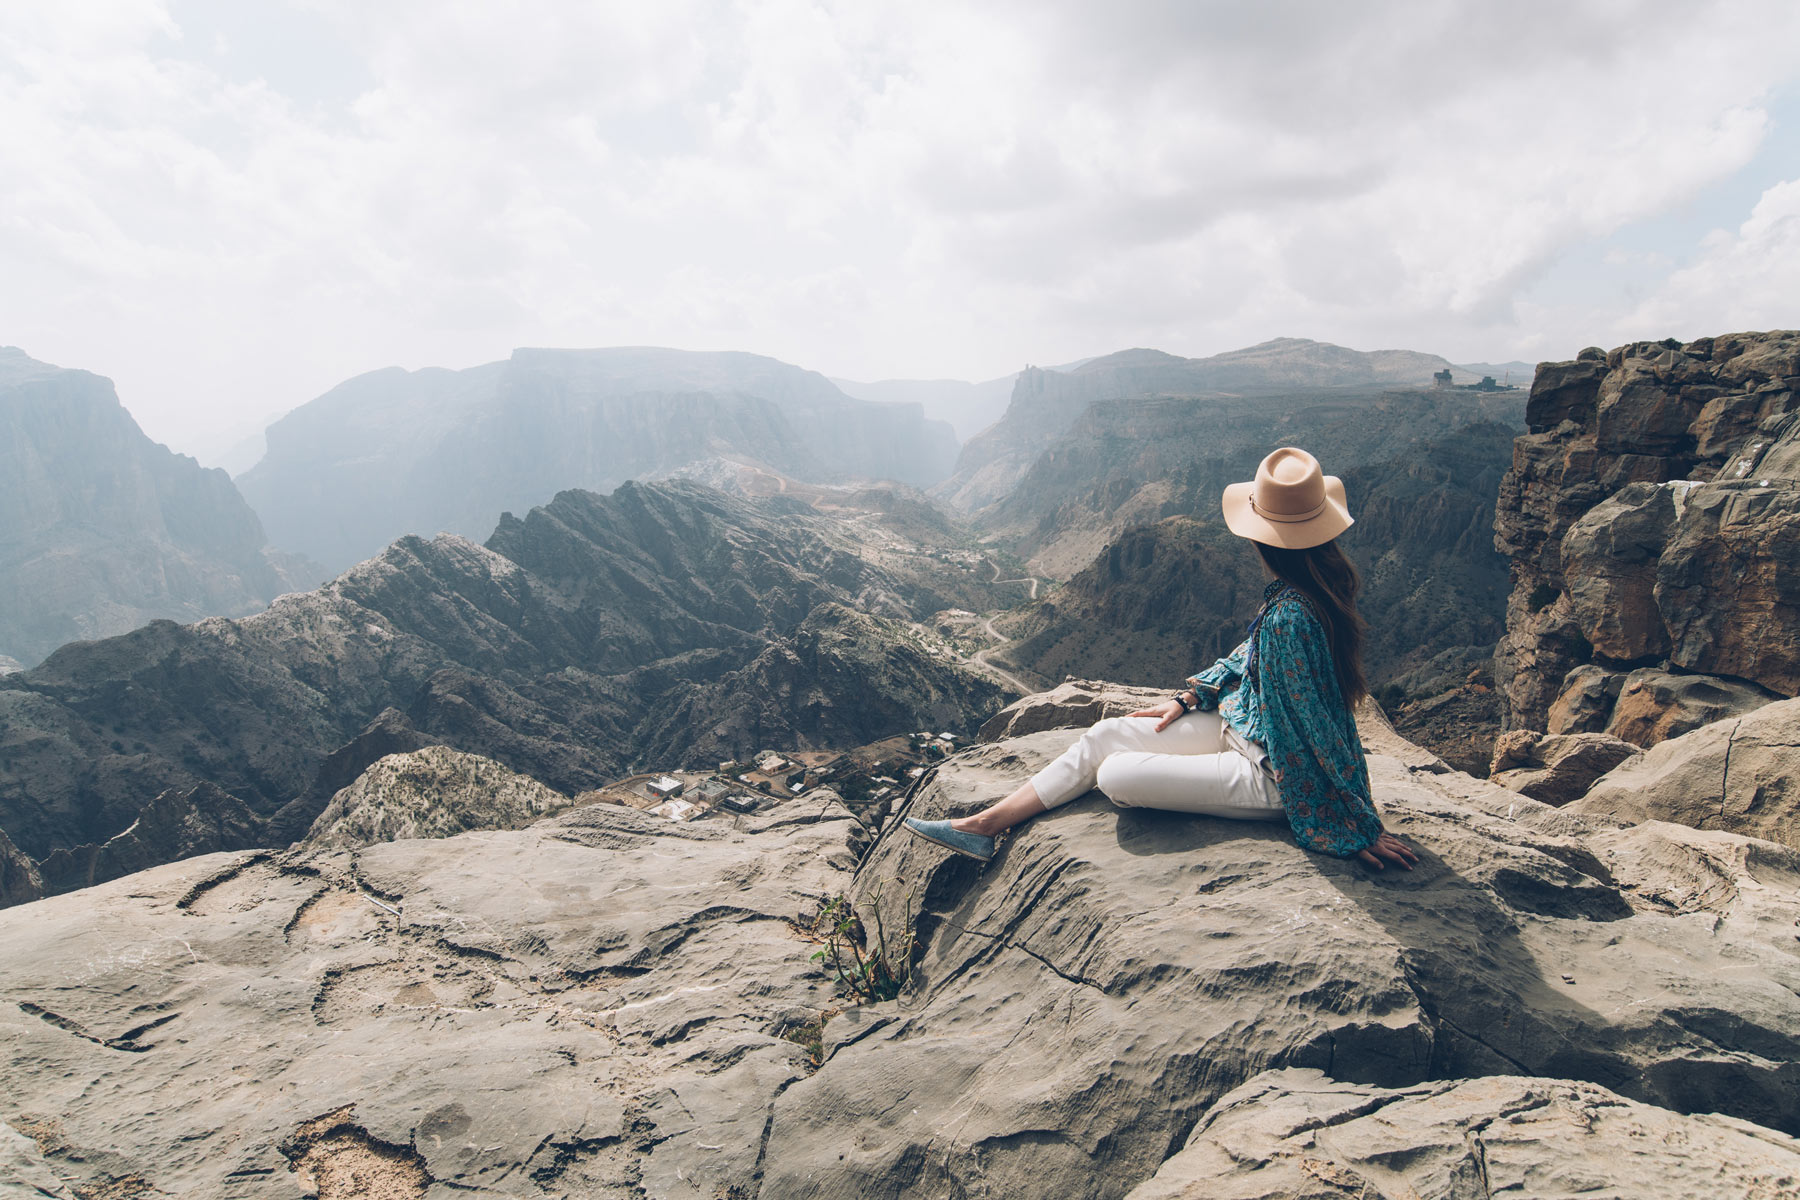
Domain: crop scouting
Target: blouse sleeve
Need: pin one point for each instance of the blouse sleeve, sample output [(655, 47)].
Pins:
[(1311, 736), (1221, 677)]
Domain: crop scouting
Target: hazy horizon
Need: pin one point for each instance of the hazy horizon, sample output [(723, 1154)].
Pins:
[(229, 210)]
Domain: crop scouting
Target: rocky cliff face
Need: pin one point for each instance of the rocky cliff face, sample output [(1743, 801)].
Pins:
[(396, 452), (1652, 515), (1123, 1002), (1046, 403), (592, 636), (105, 529)]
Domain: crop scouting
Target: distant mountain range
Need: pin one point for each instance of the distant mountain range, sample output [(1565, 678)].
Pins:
[(102, 529), (664, 624), (969, 408), (1045, 403), (400, 452)]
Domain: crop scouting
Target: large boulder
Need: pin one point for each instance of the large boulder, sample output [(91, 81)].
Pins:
[(1086, 998), (1609, 562), (1654, 705), (1074, 704), (1585, 703), (1555, 768), (1737, 774), (431, 793), (1300, 1135), (595, 1006)]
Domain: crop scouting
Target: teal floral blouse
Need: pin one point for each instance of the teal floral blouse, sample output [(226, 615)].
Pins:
[(1292, 706)]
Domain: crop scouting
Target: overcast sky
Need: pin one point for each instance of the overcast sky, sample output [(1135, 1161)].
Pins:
[(228, 206)]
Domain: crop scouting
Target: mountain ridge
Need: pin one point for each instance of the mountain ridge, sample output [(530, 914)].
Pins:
[(392, 451), (105, 529)]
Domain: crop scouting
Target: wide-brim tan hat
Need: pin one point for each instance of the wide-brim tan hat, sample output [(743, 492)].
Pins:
[(1291, 503)]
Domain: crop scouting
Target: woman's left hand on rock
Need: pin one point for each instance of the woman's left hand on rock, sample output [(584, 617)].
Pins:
[(1391, 848)]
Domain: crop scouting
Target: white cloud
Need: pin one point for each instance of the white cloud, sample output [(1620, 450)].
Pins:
[(1743, 280), (927, 189)]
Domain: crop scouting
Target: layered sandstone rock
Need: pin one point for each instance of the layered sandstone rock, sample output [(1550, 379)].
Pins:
[(1300, 1135), (1737, 774), (1555, 768), (1654, 705), (1652, 515)]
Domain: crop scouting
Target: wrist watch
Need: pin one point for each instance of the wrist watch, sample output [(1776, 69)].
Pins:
[(1181, 699)]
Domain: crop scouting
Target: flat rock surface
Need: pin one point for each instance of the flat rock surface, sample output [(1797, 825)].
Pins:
[(1299, 1135), (590, 1007)]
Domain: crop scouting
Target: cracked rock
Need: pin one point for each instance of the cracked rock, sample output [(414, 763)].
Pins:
[(1082, 1002), (1299, 1135), (1737, 774)]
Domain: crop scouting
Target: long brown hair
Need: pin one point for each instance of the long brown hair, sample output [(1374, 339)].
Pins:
[(1330, 581)]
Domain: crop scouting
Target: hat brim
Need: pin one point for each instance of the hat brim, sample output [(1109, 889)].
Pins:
[(1245, 521)]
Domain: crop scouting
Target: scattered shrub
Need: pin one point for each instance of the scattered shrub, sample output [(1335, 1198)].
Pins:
[(864, 973)]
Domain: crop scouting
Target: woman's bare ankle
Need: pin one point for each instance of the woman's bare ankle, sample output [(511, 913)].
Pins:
[(974, 823)]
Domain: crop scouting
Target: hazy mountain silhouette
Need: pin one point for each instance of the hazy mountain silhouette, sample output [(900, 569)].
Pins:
[(396, 452)]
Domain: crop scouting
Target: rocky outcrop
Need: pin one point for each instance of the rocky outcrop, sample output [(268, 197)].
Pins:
[(1555, 768), (431, 793), (1653, 705), (1046, 403), (593, 637), (107, 530), (1083, 1002), (1650, 515), (1737, 774), (395, 452), (605, 1003), (1302, 1135), (1075, 703)]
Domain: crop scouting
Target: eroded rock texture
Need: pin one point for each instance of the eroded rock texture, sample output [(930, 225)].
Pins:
[(590, 1007), (1300, 1135), (431, 793), (1740, 774), (606, 1004), (1652, 515), (1083, 1001)]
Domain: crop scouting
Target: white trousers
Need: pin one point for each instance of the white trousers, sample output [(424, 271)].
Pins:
[(1193, 766)]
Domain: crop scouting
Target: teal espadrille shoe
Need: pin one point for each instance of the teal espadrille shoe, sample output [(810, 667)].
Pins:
[(974, 845)]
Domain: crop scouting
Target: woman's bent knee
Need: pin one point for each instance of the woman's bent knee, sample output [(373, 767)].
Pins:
[(1114, 781)]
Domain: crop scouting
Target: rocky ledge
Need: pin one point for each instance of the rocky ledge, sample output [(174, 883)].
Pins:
[(603, 1004)]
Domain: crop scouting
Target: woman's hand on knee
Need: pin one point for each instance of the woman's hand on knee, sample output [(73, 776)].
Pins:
[(1165, 713)]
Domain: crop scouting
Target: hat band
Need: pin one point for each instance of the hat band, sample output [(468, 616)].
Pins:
[(1267, 515)]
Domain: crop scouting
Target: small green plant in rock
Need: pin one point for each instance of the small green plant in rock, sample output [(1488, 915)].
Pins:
[(810, 1036), (863, 972)]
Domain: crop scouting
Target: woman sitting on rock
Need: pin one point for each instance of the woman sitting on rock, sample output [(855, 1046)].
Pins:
[(1264, 733)]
